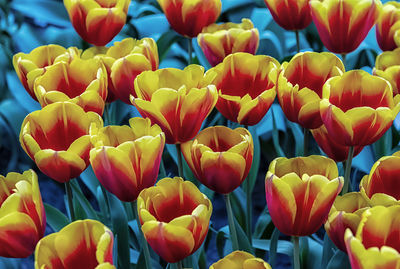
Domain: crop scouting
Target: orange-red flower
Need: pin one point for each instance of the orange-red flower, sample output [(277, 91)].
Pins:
[(177, 100), (299, 85), (82, 244), (22, 216), (188, 18), (246, 86), (175, 218), (57, 139), (300, 192), (240, 259), (343, 24), (358, 108), (219, 40), (290, 14), (387, 25), (387, 66), (126, 159), (97, 21), (220, 157)]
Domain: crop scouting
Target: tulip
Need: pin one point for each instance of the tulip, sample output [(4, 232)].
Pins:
[(57, 139), (177, 100), (358, 108), (83, 82), (344, 24), (189, 17), (22, 217), (97, 21), (387, 66), (345, 214), (290, 14), (219, 40), (299, 86), (30, 66), (376, 243), (175, 218), (300, 192), (126, 159), (240, 259), (82, 244), (388, 23), (246, 86), (220, 157)]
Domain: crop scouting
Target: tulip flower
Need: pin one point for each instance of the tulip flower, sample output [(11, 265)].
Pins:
[(82, 244), (83, 82), (290, 15), (300, 192), (387, 25), (57, 139), (177, 100), (376, 243), (34, 64), (22, 218), (97, 21), (126, 159), (220, 157), (189, 17), (246, 86), (175, 218), (219, 40), (387, 66), (344, 24), (345, 214), (240, 259), (299, 86)]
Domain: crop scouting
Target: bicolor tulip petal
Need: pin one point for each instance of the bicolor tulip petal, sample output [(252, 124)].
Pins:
[(219, 40), (97, 21), (387, 25), (188, 18), (343, 24), (358, 108), (300, 192), (290, 15), (57, 139), (300, 83), (220, 157), (240, 259), (175, 218), (81, 244), (387, 66)]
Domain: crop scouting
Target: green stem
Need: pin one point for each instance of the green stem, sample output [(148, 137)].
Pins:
[(305, 141), (68, 190), (248, 210), (103, 190), (297, 41), (179, 265), (180, 166), (145, 247), (190, 50), (296, 253), (344, 59), (347, 171), (231, 221)]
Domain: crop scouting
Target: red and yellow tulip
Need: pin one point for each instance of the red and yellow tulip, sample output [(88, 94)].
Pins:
[(240, 259), (97, 21), (387, 25), (300, 192), (175, 218), (387, 66), (290, 14), (22, 216), (82, 244), (57, 139), (220, 157)]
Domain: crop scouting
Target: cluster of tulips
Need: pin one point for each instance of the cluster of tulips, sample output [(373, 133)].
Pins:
[(345, 111)]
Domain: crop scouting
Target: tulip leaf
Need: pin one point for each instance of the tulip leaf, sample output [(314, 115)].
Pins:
[(14, 113), (298, 137), (89, 179), (221, 238), (273, 247), (82, 201), (172, 152), (364, 160), (104, 206), (328, 251), (284, 247), (244, 243), (264, 226), (339, 260), (200, 55), (10, 263), (151, 25), (165, 41), (311, 252), (275, 137), (383, 147), (12, 145), (55, 218), (252, 177), (261, 17), (228, 5)]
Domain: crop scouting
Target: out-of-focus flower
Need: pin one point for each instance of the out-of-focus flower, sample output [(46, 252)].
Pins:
[(82, 244), (290, 14), (300, 83), (387, 25), (220, 157), (175, 218), (376, 243), (219, 40), (126, 159), (343, 24), (358, 108), (300, 192), (345, 214), (22, 215), (189, 17), (97, 21), (387, 66), (83, 82), (240, 259), (34, 64), (57, 139), (246, 86), (177, 100)]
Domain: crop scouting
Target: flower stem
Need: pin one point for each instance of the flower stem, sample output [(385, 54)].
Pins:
[(296, 253), (145, 247), (347, 171), (180, 165), (305, 141), (344, 59), (231, 221), (297, 41), (179, 265), (68, 190), (248, 210), (190, 50)]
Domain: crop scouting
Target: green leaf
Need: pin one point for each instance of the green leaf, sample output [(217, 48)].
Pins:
[(339, 260), (264, 225), (89, 179), (275, 137), (165, 42), (55, 218), (327, 251), (244, 243), (80, 199), (284, 247), (252, 177)]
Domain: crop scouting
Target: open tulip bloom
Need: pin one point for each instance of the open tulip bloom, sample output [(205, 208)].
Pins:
[(387, 66), (240, 259)]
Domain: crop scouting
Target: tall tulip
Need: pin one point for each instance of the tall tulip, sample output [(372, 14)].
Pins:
[(240, 259), (387, 25)]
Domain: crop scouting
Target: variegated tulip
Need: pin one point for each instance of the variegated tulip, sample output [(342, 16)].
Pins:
[(240, 259), (387, 66), (387, 25), (290, 14)]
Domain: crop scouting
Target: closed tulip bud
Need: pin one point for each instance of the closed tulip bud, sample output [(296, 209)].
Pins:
[(240, 259), (387, 66), (387, 25)]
